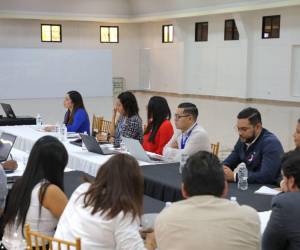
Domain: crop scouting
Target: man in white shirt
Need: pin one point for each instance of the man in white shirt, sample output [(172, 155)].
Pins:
[(205, 219), (190, 137)]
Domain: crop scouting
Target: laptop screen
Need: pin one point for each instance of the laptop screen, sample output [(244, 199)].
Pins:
[(6, 143), (8, 110)]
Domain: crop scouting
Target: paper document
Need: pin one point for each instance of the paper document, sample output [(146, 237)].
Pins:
[(267, 191)]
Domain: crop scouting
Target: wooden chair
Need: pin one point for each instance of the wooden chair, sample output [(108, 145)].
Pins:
[(215, 148), (97, 124), (45, 242)]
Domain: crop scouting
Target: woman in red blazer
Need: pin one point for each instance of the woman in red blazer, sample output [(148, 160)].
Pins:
[(159, 129)]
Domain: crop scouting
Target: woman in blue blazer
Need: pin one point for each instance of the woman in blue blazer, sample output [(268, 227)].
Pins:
[(76, 117)]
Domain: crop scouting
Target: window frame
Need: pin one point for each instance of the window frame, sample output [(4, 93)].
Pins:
[(110, 26), (271, 33), (163, 33), (233, 27), (51, 24), (196, 31)]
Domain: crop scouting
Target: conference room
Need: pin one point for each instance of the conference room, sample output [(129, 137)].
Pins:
[(135, 124)]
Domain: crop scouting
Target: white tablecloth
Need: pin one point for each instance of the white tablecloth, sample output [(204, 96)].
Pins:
[(78, 159)]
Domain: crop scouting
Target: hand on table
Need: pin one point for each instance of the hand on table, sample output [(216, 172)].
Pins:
[(10, 165), (229, 174)]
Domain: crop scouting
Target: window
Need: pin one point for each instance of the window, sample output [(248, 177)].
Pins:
[(231, 31), (167, 33), (109, 34), (51, 33), (201, 32), (271, 27)]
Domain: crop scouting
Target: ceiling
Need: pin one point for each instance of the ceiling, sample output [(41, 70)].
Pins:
[(129, 10)]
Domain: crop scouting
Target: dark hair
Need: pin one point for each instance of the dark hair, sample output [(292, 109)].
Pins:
[(157, 111), (189, 108), (47, 161), (129, 103), (252, 114), (118, 187), (290, 165), (203, 174), (77, 100)]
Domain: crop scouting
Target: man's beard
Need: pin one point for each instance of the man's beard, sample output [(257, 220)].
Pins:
[(249, 140)]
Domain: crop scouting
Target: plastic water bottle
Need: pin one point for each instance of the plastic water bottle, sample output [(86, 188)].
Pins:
[(39, 121), (83, 147), (243, 177), (183, 160), (63, 132), (57, 128)]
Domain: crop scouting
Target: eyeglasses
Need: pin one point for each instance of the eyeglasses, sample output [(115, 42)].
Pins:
[(177, 117)]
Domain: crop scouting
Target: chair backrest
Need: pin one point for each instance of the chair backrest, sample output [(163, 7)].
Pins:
[(215, 148), (44, 242), (97, 124)]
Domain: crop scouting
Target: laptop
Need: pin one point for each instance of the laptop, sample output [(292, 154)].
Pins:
[(135, 148), (6, 143), (8, 110), (92, 146)]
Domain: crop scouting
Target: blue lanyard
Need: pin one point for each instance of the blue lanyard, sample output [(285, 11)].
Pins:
[(183, 141)]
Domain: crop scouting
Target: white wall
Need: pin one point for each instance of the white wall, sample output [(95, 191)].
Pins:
[(75, 35), (248, 68)]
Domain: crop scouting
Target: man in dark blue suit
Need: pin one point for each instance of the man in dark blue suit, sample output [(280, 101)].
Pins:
[(258, 148), (283, 229)]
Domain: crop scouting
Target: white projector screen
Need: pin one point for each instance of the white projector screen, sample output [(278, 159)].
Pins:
[(50, 73)]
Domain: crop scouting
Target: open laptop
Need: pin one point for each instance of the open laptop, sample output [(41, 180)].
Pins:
[(135, 148), (6, 143), (8, 110), (92, 146)]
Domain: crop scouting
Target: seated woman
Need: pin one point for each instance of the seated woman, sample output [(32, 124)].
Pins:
[(105, 214), (37, 198), (159, 130), (129, 123), (76, 117)]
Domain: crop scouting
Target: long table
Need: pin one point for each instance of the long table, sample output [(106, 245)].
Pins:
[(164, 183), (78, 159), (74, 178)]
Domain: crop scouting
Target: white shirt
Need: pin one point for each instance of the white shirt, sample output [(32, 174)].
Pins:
[(197, 140), (95, 231), (44, 223)]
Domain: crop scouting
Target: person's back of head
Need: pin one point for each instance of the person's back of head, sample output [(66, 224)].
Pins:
[(129, 103), (203, 174), (189, 109), (157, 111), (118, 187), (291, 171), (47, 161)]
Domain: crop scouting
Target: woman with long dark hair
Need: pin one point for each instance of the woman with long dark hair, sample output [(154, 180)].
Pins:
[(129, 123), (105, 214), (37, 198), (76, 117), (159, 129)]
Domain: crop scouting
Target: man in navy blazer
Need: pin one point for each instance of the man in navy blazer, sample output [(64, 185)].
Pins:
[(283, 229), (258, 148)]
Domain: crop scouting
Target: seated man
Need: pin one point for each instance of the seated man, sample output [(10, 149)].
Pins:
[(190, 136), (206, 220), (258, 148), (283, 229)]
